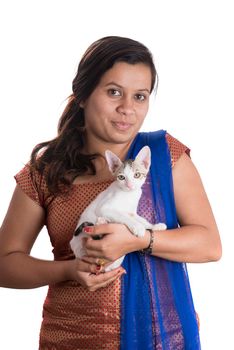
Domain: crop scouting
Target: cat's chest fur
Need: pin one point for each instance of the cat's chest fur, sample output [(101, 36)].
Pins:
[(116, 199)]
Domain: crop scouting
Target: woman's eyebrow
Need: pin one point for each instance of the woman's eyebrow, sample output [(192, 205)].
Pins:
[(121, 87)]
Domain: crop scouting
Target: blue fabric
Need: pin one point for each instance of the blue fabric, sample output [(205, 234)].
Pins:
[(157, 309)]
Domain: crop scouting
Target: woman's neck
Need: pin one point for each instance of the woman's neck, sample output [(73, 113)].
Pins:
[(120, 149)]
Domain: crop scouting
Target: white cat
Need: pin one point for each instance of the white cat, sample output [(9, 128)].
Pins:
[(118, 203)]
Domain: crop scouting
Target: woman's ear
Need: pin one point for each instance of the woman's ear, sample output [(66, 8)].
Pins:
[(82, 104)]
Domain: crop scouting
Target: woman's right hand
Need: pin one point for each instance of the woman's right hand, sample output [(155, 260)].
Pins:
[(20, 228), (90, 277)]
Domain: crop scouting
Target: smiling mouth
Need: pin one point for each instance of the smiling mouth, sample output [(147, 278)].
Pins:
[(121, 126)]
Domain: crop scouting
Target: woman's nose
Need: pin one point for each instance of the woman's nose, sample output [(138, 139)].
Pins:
[(126, 106)]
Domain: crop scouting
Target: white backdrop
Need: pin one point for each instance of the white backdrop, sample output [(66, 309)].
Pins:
[(192, 42)]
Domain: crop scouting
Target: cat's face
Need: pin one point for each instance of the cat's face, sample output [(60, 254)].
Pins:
[(131, 174)]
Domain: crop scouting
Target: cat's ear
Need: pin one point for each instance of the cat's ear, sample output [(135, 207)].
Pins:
[(144, 157), (113, 161)]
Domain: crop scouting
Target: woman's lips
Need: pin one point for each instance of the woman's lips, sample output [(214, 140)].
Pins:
[(121, 126)]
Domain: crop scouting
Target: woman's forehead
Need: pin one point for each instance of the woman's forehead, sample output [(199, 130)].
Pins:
[(122, 74)]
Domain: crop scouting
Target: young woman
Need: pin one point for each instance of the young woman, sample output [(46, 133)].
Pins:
[(146, 303)]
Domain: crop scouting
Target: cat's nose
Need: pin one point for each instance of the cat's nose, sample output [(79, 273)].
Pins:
[(130, 185)]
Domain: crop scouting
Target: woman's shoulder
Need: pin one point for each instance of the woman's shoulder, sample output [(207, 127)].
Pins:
[(176, 147), (33, 184)]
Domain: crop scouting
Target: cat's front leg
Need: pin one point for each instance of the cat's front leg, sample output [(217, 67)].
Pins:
[(101, 220), (141, 220), (137, 228), (115, 264), (159, 227)]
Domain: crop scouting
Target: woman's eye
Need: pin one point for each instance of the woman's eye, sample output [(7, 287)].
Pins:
[(114, 92), (140, 97), (121, 177), (137, 175)]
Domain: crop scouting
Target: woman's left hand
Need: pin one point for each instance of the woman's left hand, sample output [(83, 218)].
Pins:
[(116, 241)]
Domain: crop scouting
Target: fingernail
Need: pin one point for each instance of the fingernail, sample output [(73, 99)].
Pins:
[(98, 269), (87, 229)]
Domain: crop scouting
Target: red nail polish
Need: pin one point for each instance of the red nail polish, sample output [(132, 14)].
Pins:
[(98, 270), (87, 229)]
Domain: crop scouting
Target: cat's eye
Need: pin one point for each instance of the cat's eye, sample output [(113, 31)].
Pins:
[(121, 177), (137, 175)]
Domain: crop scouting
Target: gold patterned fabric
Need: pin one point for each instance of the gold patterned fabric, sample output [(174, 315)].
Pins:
[(73, 317), (176, 148)]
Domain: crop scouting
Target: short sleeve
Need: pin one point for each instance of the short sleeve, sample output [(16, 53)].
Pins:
[(32, 184), (176, 148)]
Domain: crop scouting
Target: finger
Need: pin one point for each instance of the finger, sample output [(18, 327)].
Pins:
[(108, 276), (90, 268), (97, 230), (98, 269), (93, 260), (89, 259), (106, 282), (93, 248), (111, 280)]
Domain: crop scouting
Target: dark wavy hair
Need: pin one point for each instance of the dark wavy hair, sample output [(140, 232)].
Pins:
[(61, 160)]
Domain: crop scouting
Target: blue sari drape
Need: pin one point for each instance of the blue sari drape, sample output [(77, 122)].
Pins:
[(157, 310)]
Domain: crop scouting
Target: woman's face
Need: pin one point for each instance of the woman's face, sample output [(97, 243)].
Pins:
[(116, 109)]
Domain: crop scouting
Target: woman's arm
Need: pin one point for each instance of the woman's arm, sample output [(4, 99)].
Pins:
[(197, 240), (18, 233)]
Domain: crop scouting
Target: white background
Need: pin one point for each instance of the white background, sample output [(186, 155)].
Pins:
[(192, 42)]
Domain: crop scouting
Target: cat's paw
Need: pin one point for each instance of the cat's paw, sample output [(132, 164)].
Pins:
[(101, 220), (115, 264), (159, 227), (138, 230)]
